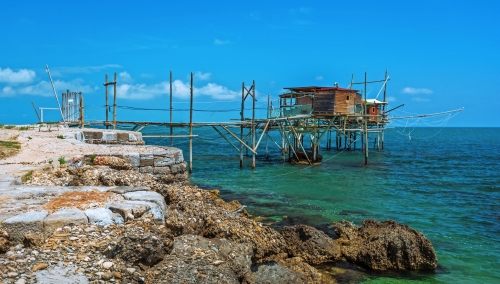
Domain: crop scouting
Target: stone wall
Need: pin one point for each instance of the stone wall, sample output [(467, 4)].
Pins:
[(162, 161), (93, 136)]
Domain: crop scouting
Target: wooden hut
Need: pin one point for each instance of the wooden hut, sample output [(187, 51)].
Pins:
[(326, 100), (373, 109)]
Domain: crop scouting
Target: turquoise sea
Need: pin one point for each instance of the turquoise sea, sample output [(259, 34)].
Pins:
[(444, 182)]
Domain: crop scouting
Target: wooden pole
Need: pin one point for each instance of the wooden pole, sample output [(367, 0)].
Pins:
[(82, 113), (242, 119), (107, 102), (383, 134), (365, 118), (191, 127), (253, 124), (268, 116), (171, 129), (37, 115), (114, 104)]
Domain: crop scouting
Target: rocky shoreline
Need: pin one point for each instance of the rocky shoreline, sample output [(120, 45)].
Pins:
[(203, 239)]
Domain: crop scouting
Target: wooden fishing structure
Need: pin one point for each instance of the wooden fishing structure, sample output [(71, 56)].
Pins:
[(304, 118)]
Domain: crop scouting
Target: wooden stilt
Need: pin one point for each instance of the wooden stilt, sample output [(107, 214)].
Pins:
[(191, 127), (114, 104), (171, 106)]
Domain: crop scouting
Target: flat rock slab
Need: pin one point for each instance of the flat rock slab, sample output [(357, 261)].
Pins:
[(149, 196), (63, 218), (103, 217), (125, 189), (23, 223), (130, 209), (61, 274)]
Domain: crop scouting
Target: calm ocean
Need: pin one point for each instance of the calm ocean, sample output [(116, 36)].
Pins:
[(444, 182)]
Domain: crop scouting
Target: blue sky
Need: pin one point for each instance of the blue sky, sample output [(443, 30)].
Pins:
[(441, 55)]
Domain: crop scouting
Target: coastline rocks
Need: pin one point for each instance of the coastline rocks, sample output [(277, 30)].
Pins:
[(310, 244), (385, 245), (195, 211), (4, 240)]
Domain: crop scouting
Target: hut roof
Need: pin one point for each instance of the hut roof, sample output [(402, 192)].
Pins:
[(375, 102), (300, 91)]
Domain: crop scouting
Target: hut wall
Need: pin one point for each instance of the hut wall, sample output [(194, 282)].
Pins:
[(324, 103), (344, 102), (306, 100), (373, 111)]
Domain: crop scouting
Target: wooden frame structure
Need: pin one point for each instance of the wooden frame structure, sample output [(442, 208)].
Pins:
[(305, 113)]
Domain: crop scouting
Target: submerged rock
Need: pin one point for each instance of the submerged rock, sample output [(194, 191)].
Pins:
[(385, 245), (310, 244)]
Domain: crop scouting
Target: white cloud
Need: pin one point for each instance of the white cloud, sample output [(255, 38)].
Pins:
[(125, 77), (202, 76), (179, 89), (12, 77), (221, 42), (7, 91), (319, 78), (420, 100), (217, 92), (44, 88), (391, 99), (414, 91)]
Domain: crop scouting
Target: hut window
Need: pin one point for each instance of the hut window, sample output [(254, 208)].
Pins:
[(347, 97), (373, 109)]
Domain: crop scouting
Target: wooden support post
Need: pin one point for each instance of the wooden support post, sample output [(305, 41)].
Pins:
[(37, 115), (82, 113), (268, 116), (253, 124), (365, 118), (191, 127), (114, 104), (242, 119), (107, 101), (337, 140), (383, 134), (171, 129), (354, 137)]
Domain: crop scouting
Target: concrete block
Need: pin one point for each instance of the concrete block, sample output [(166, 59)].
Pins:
[(132, 138), (175, 169), (161, 170), (146, 170), (162, 161), (138, 136), (23, 223), (147, 159), (61, 218), (130, 209), (132, 158), (79, 136), (179, 157), (160, 152), (109, 137), (94, 135), (149, 196), (122, 137)]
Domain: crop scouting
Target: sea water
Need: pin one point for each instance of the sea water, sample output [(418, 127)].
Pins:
[(443, 182)]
